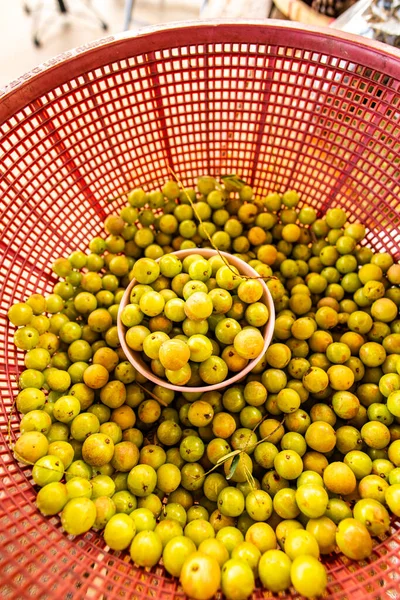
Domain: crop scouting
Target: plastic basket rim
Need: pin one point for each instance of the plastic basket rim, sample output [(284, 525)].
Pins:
[(352, 582), (39, 80)]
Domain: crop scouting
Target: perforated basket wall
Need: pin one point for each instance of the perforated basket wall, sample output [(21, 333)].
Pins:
[(282, 106)]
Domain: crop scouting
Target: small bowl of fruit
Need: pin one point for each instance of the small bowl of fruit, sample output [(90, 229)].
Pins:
[(195, 320)]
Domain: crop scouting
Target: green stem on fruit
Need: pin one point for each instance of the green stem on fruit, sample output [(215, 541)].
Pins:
[(227, 456), (192, 204), (269, 435), (233, 466), (239, 452), (250, 479), (249, 476), (232, 179), (31, 464)]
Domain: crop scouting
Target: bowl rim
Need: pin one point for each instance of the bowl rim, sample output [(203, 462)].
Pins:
[(268, 328)]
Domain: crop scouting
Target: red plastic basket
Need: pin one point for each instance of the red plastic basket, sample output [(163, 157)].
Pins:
[(282, 105)]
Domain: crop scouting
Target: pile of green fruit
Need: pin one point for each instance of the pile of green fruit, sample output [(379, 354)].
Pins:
[(251, 483)]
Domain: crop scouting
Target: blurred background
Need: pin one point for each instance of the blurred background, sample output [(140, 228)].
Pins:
[(57, 32), (32, 31)]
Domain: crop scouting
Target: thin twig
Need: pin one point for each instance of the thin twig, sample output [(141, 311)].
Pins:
[(193, 205), (249, 476), (272, 432), (234, 453), (162, 402)]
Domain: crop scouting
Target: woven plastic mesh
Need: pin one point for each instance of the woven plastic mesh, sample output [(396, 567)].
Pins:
[(281, 106)]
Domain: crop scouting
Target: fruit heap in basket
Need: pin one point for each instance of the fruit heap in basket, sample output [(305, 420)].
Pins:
[(246, 486), (196, 306)]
